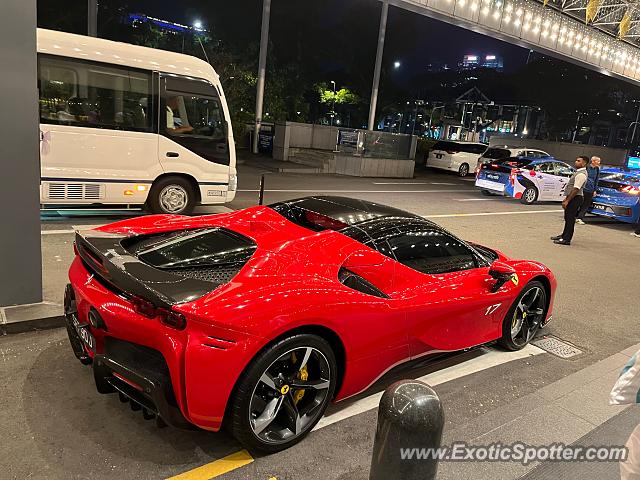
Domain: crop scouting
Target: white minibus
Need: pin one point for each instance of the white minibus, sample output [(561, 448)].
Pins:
[(130, 126)]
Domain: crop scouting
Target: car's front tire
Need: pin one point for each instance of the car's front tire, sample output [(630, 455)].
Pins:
[(529, 196), (525, 316), (283, 393)]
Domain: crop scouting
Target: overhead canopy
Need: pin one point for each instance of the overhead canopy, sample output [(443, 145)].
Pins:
[(555, 27)]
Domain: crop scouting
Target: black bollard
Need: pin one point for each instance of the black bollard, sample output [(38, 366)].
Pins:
[(410, 416), (261, 194)]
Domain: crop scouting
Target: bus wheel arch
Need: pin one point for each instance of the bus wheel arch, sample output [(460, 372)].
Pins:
[(173, 193)]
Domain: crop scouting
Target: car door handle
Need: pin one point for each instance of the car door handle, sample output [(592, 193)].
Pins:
[(173, 154)]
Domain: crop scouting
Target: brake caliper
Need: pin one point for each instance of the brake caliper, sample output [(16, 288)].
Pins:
[(303, 375)]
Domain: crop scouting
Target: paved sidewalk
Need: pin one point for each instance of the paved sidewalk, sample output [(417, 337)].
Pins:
[(566, 411)]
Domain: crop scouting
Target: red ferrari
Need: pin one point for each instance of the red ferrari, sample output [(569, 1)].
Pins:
[(259, 318)]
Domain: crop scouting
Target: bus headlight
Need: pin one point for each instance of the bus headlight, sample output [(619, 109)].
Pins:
[(233, 182)]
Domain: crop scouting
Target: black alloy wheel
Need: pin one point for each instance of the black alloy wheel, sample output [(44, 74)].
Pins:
[(524, 317), (283, 394)]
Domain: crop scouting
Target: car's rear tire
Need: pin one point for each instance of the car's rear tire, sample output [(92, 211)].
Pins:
[(529, 196), (172, 195), (525, 316), (264, 402), (463, 171)]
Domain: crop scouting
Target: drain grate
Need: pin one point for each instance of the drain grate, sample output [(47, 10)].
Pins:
[(557, 347)]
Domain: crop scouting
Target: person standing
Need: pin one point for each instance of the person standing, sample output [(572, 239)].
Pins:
[(572, 202), (589, 191)]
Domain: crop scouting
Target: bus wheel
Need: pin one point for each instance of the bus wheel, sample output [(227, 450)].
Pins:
[(173, 195)]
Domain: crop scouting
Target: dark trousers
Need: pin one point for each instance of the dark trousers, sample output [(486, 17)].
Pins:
[(570, 215), (588, 198)]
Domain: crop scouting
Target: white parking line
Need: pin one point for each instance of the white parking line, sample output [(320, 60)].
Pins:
[(487, 214), (448, 215), (354, 191), (405, 183), (490, 358), (474, 199), (442, 183), (73, 229)]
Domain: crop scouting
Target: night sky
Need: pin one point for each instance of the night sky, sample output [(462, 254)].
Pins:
[(412, 39)]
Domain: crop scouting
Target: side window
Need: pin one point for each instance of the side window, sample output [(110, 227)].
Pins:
[(521, 153), (545, 167), (563, 170), (94, 95), (192, 107), (192, 116), (431, 251)]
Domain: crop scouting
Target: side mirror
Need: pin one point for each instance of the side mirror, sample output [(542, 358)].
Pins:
[(502, 273)]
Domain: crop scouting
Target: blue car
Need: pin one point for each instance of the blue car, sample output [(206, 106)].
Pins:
[(618, 195)]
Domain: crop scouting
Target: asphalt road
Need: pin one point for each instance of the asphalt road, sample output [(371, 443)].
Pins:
[(54, 425)]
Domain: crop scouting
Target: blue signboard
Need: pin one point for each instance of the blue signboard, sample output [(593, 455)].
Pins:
[(265, 142), (633, 162)]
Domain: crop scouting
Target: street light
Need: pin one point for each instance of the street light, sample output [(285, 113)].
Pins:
[(333, 106), (397, 64), (197, 25)]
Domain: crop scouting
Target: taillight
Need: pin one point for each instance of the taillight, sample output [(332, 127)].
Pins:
[(172, 319), (167, 317), (144, 307), (630, 189)]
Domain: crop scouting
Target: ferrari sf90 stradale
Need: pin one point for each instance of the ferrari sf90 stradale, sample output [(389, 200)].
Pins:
[(258, 318)]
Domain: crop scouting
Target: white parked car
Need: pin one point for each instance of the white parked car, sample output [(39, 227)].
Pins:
[(455, 156), (502, 152)]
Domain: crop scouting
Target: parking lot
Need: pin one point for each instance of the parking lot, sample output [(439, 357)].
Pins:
[(53, 412)]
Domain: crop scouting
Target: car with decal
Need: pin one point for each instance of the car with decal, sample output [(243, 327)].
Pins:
[(618, 195), (528, 179)]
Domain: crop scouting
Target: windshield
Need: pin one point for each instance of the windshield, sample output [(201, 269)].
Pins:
[(622, 177)]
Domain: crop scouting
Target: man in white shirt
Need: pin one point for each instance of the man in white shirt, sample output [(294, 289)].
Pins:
[(574, 197)]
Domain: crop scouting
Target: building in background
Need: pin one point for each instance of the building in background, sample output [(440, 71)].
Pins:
[(481, 61), (139, 19)]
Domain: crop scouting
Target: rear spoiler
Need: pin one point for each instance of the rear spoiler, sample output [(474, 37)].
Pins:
[(105, 257)]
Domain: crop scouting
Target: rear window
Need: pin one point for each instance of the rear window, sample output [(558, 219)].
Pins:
[(514, 162), (497, 153), (191, 248), (448, 146)]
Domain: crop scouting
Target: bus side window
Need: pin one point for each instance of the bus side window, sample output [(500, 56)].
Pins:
[(90, 94), (194, 115)]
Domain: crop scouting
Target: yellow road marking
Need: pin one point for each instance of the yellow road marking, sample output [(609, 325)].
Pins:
[(216, 468)]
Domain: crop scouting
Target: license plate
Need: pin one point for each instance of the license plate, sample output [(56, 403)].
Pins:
[(499, 187), (84, 334), (601, 207)]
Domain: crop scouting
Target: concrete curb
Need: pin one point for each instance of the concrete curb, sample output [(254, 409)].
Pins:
[(26, 318)]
